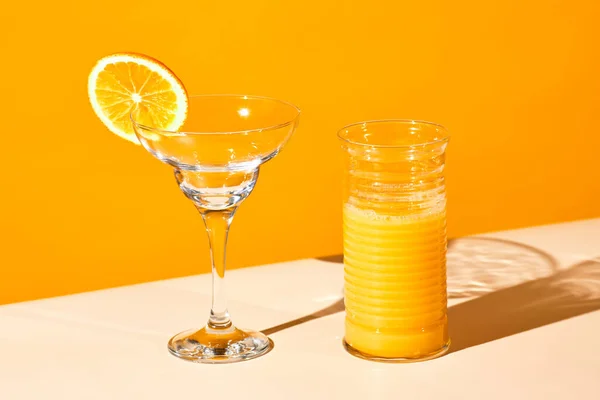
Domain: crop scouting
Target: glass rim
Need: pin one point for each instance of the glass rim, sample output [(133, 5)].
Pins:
[(399, 121), (244, 96)]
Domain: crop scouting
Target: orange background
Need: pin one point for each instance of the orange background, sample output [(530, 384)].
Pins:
[(517, 84)]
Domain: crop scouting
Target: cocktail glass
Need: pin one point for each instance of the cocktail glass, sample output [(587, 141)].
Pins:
[(216, 156)]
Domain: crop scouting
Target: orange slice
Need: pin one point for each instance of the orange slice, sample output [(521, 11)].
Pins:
[(120, 82)]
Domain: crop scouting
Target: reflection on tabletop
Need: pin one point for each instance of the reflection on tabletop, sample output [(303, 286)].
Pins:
[(507, 287)]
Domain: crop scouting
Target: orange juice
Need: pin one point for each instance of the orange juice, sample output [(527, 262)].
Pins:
[(395, 239), (395, 283)]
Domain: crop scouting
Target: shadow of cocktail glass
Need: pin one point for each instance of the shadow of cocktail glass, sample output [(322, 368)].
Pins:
[(511, 287)]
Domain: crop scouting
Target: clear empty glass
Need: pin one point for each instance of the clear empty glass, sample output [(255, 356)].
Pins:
[(216, 156)]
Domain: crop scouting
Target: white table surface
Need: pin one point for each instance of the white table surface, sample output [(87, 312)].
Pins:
[(536, 340)]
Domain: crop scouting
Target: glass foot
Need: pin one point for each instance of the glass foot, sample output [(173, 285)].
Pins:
[(219, 347)]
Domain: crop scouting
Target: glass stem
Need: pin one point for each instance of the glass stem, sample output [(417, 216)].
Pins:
[(217, 224)]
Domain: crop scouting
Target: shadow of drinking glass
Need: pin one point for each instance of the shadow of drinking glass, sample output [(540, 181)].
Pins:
[(513, 288), (533, 304)]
